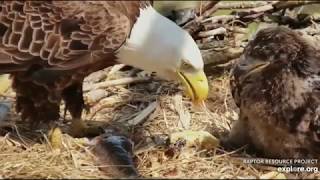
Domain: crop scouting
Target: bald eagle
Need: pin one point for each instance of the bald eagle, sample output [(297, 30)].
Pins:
[(276, 85), (49, 47)]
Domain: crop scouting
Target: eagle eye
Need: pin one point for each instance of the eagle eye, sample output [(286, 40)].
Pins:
[(185, 65)]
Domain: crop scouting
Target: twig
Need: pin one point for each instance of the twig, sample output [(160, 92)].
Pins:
[(236, 29), (272, 7), (200, 8), (254, 12), (143, 114), (292, 4), (95, 95), (194, 26), (218, 69), (213, 57), (209, 26), (260, 9), (220, 30), (184, 116), (96, 76), (211, 45), (240, 4), (207, 9), (115, 69), (223, 18), (117, 82), (207, 39), (107, 103)]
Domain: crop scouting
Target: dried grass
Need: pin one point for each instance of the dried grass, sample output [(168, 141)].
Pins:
[(123, 103)]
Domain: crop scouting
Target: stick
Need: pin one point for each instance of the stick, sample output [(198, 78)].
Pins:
[(95, 95), (184, 116), (194, 26), (209, 26), (212, 57), (223, 18), (211, 45), (123, 81), (116, 68), (290, 4), (143, 114), (207, 8), (220, 30), (96, 76), (241, 4), (272, 7), (107, 102)]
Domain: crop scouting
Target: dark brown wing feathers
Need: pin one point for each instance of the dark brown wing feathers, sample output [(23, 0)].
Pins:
[(59, 32), (48, 47)]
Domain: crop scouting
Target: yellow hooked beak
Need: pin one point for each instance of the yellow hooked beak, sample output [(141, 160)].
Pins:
[(195, 85)]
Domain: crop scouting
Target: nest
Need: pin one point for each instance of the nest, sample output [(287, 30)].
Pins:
[(146, 107)]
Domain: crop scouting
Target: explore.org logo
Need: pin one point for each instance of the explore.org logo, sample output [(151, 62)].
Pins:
[(294, 169), (287, 165)]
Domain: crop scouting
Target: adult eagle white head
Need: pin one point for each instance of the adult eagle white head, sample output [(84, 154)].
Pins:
[(159, 45), (49, 47)]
